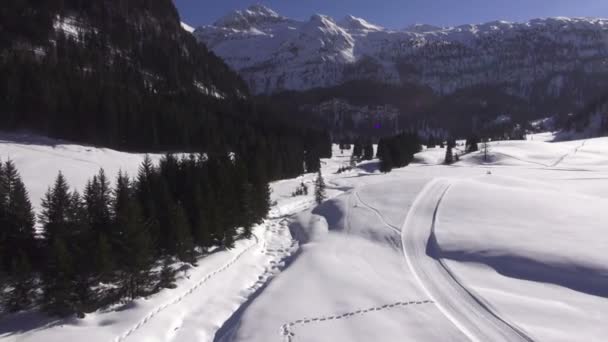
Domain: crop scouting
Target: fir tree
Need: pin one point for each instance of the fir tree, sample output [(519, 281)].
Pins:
[(55, 206), (59, 297), (167, 275), (181, 236), (319, 188), (358, 149), (18, 217), (21, 286), (368, 151), (449, 155), (471, 144)]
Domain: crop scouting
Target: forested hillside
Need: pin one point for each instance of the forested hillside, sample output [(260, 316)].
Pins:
[(124, 74)]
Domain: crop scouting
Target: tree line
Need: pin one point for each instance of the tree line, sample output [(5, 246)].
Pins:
[(113, 243)]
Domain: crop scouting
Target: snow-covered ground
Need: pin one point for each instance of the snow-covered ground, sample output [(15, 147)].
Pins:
[(512, 248)]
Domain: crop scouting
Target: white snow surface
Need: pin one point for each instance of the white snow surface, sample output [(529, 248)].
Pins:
[(511, 248)]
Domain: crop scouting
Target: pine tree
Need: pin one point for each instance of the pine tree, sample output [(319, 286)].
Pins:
[(471, 144), (21, 288), (103, 258), (59, 296), (55, 206), (449, 155), (319, 188), (167, 275), (3, 223), (358, 149), (18, 217), (368, 151), (384, 154), (181, 236)]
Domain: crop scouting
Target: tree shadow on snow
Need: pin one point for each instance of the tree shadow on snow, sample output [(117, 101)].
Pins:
[(575, 277), (22, 322)]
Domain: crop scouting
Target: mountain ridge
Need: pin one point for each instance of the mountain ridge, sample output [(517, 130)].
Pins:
[(275, 53)]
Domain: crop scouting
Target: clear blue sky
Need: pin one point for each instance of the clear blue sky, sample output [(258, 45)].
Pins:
[(400, 13)]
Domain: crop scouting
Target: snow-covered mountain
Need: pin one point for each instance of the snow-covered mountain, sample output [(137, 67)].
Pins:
[(275, 53)]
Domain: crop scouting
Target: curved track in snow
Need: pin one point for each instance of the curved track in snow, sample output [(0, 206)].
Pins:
[(468, 312)]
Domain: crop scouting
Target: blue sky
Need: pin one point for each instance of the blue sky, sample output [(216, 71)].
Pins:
[(401, 13)]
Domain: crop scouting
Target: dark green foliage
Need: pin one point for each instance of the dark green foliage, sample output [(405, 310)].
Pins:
[(320, 188), (167, 275), (472, 144), (152, 96), (449, 155), (358, 149), (180, 237), (397, 151), (449, 152), (21, 284), (368, 151), (17, 243), (59, 286)]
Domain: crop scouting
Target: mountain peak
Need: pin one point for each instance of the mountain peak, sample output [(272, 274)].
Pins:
[(261, 10), (422, 28), (254, 16), (354, 23)]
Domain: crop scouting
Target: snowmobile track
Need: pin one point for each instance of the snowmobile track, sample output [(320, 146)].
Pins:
[(466, 310)]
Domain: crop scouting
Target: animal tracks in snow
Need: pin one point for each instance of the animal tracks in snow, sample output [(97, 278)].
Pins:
[(178, 299), (287, 330)]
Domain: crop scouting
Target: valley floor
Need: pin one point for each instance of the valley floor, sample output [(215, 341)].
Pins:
[(512, 249)]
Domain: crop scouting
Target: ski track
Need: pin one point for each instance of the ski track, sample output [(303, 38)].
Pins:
[(178, 299), (287, 330), (548, 166), (462, 307), (562, 158), (378, 213)]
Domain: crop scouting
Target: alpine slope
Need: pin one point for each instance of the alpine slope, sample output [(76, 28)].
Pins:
[(509, 248)]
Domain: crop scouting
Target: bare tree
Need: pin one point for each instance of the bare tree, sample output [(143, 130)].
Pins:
[(485, 149)]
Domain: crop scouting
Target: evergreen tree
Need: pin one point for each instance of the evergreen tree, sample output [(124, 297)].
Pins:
[(97, 197), (167, 275), (449, 155), (358, 149), (181, 237), (471, 144), (17, 229), (59, 296), (104, 258), (368, 151), (319, 188), (3, 223), (21, 285), (55, 206)]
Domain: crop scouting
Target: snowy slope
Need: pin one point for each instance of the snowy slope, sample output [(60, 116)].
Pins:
[(517, 253), (276, 53)]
